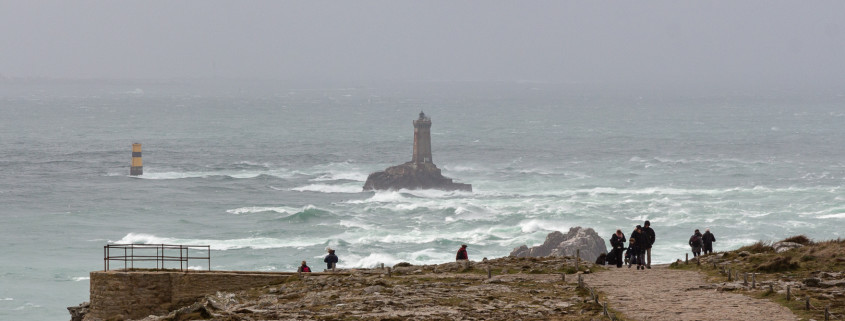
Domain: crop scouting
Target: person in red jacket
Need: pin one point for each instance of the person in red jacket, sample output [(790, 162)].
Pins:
[(462, 254), (304, 267)]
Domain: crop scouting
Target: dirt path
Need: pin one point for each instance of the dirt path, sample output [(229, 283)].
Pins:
[(665, 294)]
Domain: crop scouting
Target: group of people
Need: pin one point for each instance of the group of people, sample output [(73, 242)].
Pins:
[(330, 260), (700, 241), (638, 251)]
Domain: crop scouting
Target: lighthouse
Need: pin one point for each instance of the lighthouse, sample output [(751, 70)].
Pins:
[(420, 172), (422, 140)]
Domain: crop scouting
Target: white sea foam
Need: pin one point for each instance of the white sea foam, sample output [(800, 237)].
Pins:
[(336, 176), (221, 245), (81, 278), (361, 225), (369, 261), (239, 174), (7, 299), (534, 225), (196, 267), (27, 306), (324, 188), (838, 215), (260, 209)]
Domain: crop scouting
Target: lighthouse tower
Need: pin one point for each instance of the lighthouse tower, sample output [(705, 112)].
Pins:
[(422, 140)]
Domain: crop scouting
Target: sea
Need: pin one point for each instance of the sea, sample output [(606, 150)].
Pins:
[(270, 173)]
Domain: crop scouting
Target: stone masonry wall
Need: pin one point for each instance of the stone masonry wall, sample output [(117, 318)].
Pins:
[(120, 295)]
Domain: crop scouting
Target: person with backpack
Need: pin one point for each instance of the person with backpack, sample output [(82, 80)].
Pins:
[(462, 254), (304, 267), (708, 239), (695, 241), (617, 241)]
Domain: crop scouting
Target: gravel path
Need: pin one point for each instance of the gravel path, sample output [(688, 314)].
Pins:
[(665, 294)]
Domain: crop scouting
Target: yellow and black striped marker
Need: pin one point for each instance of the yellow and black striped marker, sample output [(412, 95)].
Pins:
[(137, 165)]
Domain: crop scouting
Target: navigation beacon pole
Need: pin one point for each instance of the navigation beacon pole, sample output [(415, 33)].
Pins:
[(137, 165)]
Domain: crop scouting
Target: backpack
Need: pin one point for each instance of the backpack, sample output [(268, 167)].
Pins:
[(695, 240)]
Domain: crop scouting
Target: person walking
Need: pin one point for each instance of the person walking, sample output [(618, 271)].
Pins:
[(331, 259), (304, 267), (617, 241), (695, 242), (462, 254), (708, 239), (649, 233)]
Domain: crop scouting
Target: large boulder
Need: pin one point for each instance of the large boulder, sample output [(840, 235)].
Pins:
[(413, 176), (559, 244)]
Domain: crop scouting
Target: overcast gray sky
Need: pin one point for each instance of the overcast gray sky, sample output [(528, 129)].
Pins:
[(694, 42)]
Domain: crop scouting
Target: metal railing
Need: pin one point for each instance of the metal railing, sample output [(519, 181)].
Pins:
[(160, 253)]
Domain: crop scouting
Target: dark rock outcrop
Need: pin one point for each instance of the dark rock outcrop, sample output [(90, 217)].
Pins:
[(77, 313), (559, 244), (413, 176)]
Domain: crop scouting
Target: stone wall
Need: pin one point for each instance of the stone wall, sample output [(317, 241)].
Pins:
[(120, 295)]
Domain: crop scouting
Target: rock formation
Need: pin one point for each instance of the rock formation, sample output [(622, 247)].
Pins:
[(559, 244), (420, 172)]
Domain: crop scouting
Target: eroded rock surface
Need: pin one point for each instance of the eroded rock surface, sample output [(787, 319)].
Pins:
[(559, 244), (413, 176)]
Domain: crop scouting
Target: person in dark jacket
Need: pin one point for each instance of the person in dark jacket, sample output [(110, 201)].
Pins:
[(649, 233), (617, 241), (331, 260), (708, 239), (304, 267), (462, 254), (695, 242), (637, 234), (636, 254)]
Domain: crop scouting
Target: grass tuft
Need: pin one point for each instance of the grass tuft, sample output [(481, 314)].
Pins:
[(800, 239), (759, 247)]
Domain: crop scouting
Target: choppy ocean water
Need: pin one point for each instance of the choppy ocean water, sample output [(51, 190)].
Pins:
[(270, 174)]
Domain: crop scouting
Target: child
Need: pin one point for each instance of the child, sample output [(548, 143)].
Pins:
[(636, 256)]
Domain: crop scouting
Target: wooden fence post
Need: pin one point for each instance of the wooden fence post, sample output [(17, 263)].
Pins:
[(753, 280), (604, 305), (827, 313), (389, 273), (730, 274), (807, 303), (745, 278), (686, 260), (563, 277), (788, 294), (489, 274), (771, 288)]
